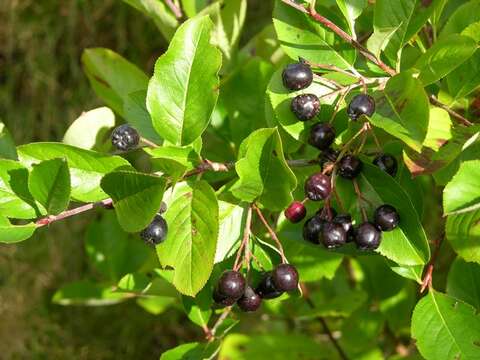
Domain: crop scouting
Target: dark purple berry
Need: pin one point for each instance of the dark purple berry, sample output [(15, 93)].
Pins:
[(328, 156), (305, 106), (266, 289), (349, 167), (156, 232), (367, 236), (386, 217), (222, 300), (295, 212), (285, 277), (386, 163), (250, 301), (322, 135), (318, 187), (231, 285), (125, 137), (312, 229), (361, 104), (297, 76), (333, 235), (346, 221)]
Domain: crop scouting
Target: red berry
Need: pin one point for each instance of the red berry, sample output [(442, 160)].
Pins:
[(295, 212)]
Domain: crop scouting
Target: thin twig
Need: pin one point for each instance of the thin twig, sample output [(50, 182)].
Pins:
[(220, 320), (454, 114), (246, 237), (428, 277), (148, 142), (175, 9), (272, 233), (360, 198)]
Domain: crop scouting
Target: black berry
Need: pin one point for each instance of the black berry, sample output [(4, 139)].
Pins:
[(297, 76), (305, 106), (361, 104), (367, 236), (250, 301), (312, 229), (295, 212), (386, 163), (125, 137), (326, 213), (231, 285), (322, 136), (349, 167), (222, 300), (386, 217), (333, 235), (285, 277), (346, 221), (156, 232), (328, 156), (266, 289), (318, 187)]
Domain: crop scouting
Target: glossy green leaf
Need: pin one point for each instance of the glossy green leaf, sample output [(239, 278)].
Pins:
[(443, 57), (136, 197), (87, 293), (112, 77), (7, 145), (172, 160), (232, 219), (300, 36), (191, 351), (199, 308), (351, 9), (464, 282), (86, 167), (184, 88), (135, 110), (190, 246), (14, 233), (15, 198), (464, 15), (462, 193), (446, 328), (90, 129), (193, 7), (463, 233), (49, 184), (402, 110), (263, 172)]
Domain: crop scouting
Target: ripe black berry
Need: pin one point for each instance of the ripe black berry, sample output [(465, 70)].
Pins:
[(250, 301), (295, 212), (222, 300), (328, 155), (312, 229), (333, 235), (125, 137), (156, 232), (386, 163), (361, 104), (386, 217), (297, 76), (349, 167), (367, 236), (322, 136), (305, 106), (285, 277), (266, 289), (318, 187), (231, 285)]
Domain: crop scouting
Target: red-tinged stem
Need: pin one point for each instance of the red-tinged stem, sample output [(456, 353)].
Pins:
[(244, 243), (175, 9), (272, 233), (360, 198), (428, 277), (455, 115), (211, 334)]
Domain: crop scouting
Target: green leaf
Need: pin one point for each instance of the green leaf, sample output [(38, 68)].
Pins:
[(464, 15), (406, 245), (89, 130), (135, 110), (263, 172), (199, 308), (443, 57), (7, 145), (15, 198), (14, 233), (184, 88), (87, 293), (463, 233), (110, 249), (191, 351), (464, 282), (49, 183), (112, 77), (161, 15), (465, 79), (86, 167), (462, 193), (402, 110), (446, 328), (193, 7), (351, 9), (172, 160), (136, 197), (300, 36), (232, 219), (290, 346), (380, 38), (190, 246)]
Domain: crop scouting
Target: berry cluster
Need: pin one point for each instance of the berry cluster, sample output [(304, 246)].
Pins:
[(233, 288), (326, 227)]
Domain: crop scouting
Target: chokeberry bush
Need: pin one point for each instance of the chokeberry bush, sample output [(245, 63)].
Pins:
[(324, 174)]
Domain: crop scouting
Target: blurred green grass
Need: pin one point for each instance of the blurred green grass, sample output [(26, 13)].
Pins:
[(42, 90)]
